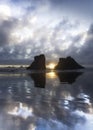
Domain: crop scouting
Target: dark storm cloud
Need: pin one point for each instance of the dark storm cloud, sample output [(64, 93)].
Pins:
[(81, 9), (5, 30), (86, 52), (13, 52), (73, 3), (90, 31)]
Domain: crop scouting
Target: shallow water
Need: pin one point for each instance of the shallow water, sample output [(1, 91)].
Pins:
[(46, 101)]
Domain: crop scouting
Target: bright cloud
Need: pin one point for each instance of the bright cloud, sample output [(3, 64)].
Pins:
[(5, 12)]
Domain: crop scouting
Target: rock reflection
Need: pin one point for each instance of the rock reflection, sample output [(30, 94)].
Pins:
[(64, 77), (68, 77), (39, 79)]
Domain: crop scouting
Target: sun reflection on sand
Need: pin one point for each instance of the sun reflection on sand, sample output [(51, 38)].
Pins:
[(51, 75)]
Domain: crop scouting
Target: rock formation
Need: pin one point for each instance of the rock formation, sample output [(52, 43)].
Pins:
[(38, 63), (67, 64)]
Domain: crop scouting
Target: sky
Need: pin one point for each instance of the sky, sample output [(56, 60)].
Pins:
[(56, 28)]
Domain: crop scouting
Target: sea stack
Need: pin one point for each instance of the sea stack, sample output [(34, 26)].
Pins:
[(67, 63), (39, 63)]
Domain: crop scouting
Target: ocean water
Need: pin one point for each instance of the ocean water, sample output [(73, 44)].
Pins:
[(51, 100)]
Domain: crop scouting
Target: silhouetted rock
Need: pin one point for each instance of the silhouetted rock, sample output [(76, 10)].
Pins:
[(39, 79), (38, 63), (68, 77), (67, 64)]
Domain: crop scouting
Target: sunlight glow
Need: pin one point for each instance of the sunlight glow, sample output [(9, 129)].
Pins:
[(51, 75), (51, 66)]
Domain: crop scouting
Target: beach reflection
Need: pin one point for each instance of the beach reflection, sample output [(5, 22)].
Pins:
[(51, 75), (39, 79), (46, 101)]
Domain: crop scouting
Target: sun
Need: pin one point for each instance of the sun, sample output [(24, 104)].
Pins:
[(51, 66)]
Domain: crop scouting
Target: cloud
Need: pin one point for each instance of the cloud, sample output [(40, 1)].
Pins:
[(33, 29), (5, 30), (86, 52), (55, 41)]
